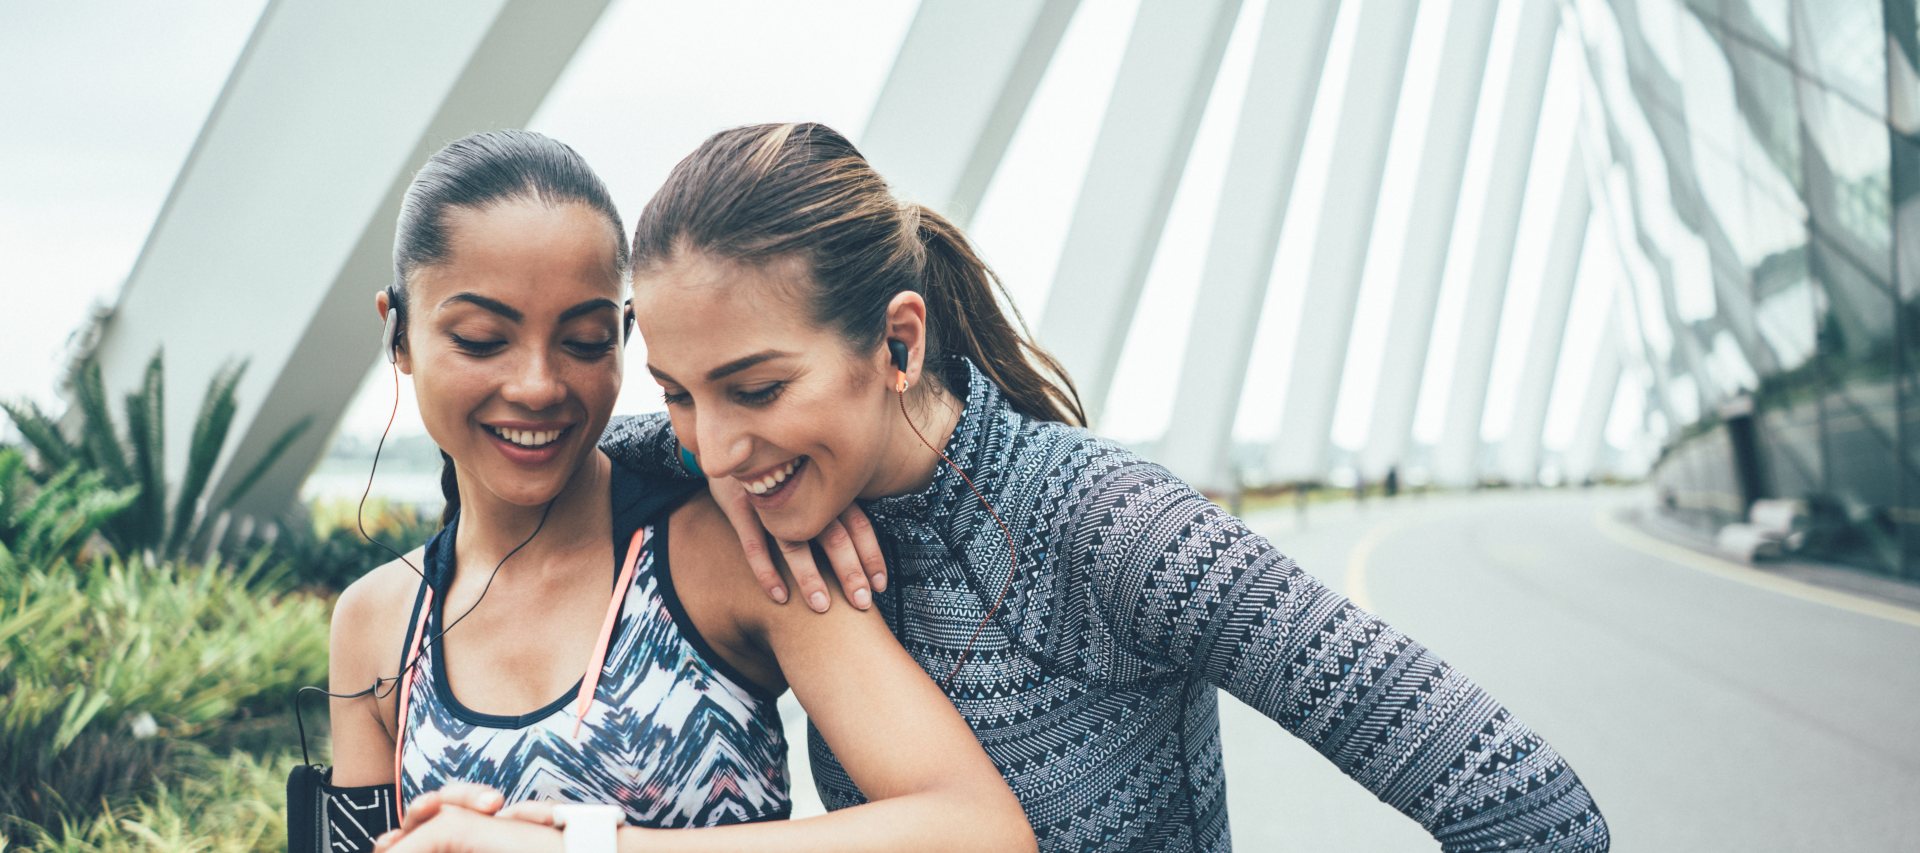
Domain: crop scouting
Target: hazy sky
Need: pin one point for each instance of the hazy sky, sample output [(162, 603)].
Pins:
[(119, 91)]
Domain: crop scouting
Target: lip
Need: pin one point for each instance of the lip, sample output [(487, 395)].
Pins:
[(785, 493), (530, 457)]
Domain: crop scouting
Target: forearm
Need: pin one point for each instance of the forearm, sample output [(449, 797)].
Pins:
[(1225, 605), (934, 821), (1391, 714)]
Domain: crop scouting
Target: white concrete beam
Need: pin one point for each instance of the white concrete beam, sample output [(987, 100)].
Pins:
[(1423, 259), (959, 86), (1520, 453), (1374, 77), (1172, 57), (1281, 87), (1596, 406), (1457, 457), (279, 228)]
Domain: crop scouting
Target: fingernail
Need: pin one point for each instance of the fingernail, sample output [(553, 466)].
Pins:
[(880, 583), (489, 799), (862, 599), (779, 594), (819, 602)]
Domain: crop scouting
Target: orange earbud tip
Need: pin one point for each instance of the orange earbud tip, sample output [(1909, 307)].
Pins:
[(902, 386)]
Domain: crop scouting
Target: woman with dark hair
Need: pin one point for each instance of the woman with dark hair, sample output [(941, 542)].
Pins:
[(821, 342), (510, 266)]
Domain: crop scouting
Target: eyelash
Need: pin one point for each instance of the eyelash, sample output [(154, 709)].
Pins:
[(760, 397), (583, 349)]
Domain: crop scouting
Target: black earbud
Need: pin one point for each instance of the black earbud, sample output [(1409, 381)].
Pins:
[(899, 351), (396, 316), (626, 322)]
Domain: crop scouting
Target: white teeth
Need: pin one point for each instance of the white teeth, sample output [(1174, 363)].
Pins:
[(528, 437), (768, 483)]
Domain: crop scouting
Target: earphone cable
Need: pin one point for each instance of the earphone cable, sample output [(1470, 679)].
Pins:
[(1013, 566)]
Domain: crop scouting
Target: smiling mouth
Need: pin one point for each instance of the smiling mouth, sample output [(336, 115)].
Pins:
[(772, 483), (532, 439)]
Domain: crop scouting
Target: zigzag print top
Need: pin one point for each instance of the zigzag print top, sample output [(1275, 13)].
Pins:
[(674, 735), (1134, 601)]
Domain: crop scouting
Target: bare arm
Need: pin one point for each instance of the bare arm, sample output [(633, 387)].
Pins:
[(364, 645)]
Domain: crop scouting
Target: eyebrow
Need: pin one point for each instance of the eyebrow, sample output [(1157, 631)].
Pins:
[(731, 367), (511, 313)]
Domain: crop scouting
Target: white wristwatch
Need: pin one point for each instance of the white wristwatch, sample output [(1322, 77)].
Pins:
[(589, 828)]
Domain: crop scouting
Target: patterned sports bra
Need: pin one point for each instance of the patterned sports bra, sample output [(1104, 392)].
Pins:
[(673, 735)]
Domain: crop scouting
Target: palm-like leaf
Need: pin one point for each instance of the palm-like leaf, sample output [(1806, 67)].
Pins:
[(43, 434), (146, 433), (99, 436), (209, 435)]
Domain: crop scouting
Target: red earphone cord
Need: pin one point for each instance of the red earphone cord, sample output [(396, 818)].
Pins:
[(1012, 553)]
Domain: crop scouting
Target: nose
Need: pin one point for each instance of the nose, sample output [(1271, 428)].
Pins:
[(722, 443), (535, 384)]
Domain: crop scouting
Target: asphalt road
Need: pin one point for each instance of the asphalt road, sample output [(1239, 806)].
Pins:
[(1709, 706)]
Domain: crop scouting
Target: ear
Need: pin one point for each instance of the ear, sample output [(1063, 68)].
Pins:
[(383, 306), (906, 322)]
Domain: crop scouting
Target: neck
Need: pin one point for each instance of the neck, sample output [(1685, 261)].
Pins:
[(490, 528), (906, 464)]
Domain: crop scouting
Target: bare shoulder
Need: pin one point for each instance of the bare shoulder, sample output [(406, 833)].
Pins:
[(707, 561), (371, 615)]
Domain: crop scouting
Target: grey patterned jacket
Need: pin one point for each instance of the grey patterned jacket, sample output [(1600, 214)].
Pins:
[(1134, 598)]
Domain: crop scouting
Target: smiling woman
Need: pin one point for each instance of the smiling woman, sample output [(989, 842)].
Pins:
[(506, 314)]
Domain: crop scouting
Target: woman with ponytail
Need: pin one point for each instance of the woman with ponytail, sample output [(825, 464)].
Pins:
[(822, 343)]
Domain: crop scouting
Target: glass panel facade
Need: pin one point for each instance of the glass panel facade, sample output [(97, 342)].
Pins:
[(1772, 180)]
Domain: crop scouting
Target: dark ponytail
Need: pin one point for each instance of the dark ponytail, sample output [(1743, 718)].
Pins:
[(479, 171), (449, 489), (766, 192)]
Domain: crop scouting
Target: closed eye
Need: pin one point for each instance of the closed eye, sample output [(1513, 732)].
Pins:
[(760, 396), (475, 347)]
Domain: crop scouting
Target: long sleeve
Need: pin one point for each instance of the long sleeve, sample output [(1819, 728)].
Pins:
[(644, 443), (1184, 584)]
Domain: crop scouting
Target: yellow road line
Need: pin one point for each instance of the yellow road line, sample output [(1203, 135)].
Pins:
[(1357, 562), (1626, 535)]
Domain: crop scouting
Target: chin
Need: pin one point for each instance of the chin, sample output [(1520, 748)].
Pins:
[(798, 524)]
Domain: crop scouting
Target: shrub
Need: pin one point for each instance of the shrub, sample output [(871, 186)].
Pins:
[(87, 659)]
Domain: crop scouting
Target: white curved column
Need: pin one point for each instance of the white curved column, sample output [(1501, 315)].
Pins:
[(959, 86), (1345, 231), (1456, 458), (1165, 75), (1246, 229), (279, 228), (1520, 453), (1423, 259), (1596, 406)]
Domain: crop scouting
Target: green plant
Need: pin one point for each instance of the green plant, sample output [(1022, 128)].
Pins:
[(43, 523), (137, 459), (107, 675), (330, 553)]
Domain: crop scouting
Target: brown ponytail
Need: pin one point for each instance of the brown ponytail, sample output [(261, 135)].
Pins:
[(766, 192), (960, 290)]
